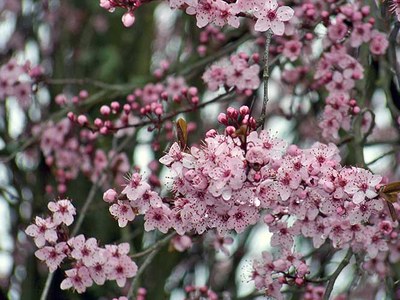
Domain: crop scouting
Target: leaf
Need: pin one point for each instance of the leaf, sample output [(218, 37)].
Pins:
[(389, 192), (181, 132)]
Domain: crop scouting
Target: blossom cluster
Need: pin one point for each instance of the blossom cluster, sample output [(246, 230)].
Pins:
[(238, 72), (148, 103), (338, 71), (268, 14), (270, 274), (66, 154), (90, 262), (202, 292), (16, 80), (233, 178)]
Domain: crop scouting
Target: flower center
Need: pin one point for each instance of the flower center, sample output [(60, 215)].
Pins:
[(271, 15)]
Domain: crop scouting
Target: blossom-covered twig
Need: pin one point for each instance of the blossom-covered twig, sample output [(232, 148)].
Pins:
[(265, 78)]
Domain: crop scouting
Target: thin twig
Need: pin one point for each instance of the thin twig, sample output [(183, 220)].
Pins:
[(334, 276), (265, 78), (381, 156), (171, 115), (157, 245), (90, 81), (143, 267)]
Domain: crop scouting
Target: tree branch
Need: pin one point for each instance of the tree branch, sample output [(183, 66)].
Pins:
[(335, 275), (265, 79)]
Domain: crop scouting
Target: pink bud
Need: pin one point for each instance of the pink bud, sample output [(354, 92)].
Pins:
[(127, 108), (115, 106), (158, 73), (309, 36), (244, 110), (110, 196), (61, 99), (105, 110), (365, 10), (61, 188), (130, 98), (211, 133), (293, 150), (232, 112), (256, 57), (356, 110), (158, 111), (193, 91), (98, 122), (352, 102), (164, 95), (83, 94), (71, 116), (128, 19), (269, 219), (142, 291), (202, 50), (299, 281), (103, 130), (195, 100), (324, 14), (82, 120), (230, 130)]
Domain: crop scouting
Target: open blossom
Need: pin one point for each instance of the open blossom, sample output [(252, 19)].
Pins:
[(63, 211), (270, 16), (120, 269), (78, 278), (53, 256), (83, 249), (43, 230), (363, 186), (122, 212)]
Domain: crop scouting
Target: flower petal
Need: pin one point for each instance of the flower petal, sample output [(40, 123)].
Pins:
[(285, 13)]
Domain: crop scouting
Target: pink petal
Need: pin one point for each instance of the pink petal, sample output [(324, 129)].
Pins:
[(278, 27), (271, 4), (262, 25), (285, 13)]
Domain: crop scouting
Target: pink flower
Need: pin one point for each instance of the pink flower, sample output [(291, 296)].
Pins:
[(44, 230), (215, 76), (361, 34), (292, 49), (98, 270), (363, 186), (273, 17), (123, 212), (63, 212), (181, 243), (120, 269), (337, 31), (379, 43), (53, 256), (136, 187), (204, 10), (128, 19), (78, 278), (158, 218), (84, 250)]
